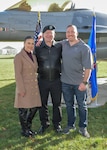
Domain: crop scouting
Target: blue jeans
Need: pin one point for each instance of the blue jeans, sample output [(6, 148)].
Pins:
[(69, 91)]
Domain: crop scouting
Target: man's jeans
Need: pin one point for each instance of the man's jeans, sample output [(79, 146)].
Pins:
[(69, 91)]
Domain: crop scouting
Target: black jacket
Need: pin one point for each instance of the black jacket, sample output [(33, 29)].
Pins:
[(49, 61)]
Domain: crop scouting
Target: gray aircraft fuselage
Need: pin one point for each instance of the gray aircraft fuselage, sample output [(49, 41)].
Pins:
[(16, 25)]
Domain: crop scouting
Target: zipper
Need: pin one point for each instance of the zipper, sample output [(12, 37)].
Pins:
[(49, 51)]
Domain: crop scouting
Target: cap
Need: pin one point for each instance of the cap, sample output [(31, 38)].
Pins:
[(49, 27)]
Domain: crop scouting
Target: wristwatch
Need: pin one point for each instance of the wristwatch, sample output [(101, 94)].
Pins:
[(85, 82)]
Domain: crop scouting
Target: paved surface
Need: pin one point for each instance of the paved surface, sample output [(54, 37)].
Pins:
[(102, 94)]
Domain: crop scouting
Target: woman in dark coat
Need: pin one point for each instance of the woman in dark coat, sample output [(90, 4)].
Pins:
[(27, 97)]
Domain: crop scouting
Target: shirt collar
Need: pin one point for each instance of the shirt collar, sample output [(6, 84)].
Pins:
[(44, 44)]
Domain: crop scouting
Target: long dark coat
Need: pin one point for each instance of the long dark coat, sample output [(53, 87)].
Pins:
[(26, 81)]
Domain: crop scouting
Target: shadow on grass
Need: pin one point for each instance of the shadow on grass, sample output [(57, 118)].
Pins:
[(7, 79), (7, 56), (10, 137), (11, 57)]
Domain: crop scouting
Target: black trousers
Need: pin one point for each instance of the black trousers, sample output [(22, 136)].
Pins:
[(54, 88), (26, 116)]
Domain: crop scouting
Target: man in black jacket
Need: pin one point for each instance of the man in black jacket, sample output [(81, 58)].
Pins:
[(49, 55)]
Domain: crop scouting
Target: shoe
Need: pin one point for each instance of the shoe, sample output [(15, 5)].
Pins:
[(32, 132), (27, 133), (84, 132), (68, 129), (42, 129), (58, 129)]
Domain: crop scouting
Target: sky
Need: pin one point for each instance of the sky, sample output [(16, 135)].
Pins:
[(91, 4)]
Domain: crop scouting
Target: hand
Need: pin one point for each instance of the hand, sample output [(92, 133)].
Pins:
[(38, 43), (40, 39), (22, 94), (82, 87)]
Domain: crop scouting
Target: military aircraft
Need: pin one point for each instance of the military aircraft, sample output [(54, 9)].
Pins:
[(20, 20)]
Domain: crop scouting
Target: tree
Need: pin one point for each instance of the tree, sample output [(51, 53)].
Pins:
[(25, 6), (65, 4), (55, 7)]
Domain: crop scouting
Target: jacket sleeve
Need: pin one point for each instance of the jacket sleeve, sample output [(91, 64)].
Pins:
[(18, 68)]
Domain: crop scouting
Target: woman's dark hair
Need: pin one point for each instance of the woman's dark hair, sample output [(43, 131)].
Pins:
[(28, 37)]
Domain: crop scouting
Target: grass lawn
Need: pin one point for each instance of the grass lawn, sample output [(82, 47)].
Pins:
[(10, 138)]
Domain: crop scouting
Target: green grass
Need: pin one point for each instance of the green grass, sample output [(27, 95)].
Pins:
[(10, 138)]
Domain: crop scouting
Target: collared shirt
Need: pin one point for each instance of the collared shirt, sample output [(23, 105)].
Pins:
[(75, 59), (29, 54)]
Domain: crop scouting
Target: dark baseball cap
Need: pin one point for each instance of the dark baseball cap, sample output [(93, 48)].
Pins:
[(49, 27)]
